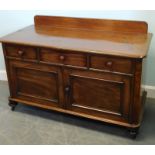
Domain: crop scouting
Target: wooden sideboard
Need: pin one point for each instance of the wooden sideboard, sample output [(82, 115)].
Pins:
[(85, 67)]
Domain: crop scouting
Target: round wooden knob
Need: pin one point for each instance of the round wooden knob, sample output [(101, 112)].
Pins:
[(21, 53), (67, 89), (109, 63), (62, 57)]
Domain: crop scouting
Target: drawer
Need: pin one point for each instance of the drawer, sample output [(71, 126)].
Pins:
[(110, 63), (23, 52), (63, 57)]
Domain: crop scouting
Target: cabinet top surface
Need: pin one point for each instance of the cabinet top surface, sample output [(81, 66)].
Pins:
[(126, 44)]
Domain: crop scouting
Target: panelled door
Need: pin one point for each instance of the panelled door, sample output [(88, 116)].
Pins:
[(98, 94), (40, 84)]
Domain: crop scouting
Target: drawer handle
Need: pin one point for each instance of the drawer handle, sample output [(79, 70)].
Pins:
[(67, 89), (62, 57), (21, 53), (109, 64)]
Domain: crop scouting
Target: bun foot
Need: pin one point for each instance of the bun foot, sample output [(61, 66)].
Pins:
[(133, 133), (13, 105)]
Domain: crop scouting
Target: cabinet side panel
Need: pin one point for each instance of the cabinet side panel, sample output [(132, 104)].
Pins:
[(137, 106), (7, 68)]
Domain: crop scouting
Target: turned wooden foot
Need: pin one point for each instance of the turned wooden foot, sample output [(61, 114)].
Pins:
[(13, 105), (133, 132)]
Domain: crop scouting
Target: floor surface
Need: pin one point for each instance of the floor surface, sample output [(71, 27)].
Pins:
[(30, 125)]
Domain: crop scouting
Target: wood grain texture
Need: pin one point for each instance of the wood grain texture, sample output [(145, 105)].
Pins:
[(90, 69), (90, 92), (111, 64), (60, 57), (99, 37), (40, 83), (89, 116), (22, 52), (92, 23)]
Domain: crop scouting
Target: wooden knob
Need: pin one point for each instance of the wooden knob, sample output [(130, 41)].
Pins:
[(109, 63), (21, 53), (67, 89), (62, 57)]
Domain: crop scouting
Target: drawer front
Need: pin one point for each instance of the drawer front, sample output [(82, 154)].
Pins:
[(64, 58), (23, 52), (114, 64)]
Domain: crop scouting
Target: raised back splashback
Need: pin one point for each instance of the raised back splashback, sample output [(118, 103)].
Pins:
[(120, 26)]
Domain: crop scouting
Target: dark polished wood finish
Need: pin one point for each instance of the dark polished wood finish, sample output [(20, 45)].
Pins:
[(109, 37), (85, 67), (92, 24)]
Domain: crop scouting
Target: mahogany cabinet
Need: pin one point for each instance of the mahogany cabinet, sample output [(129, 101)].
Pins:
[(85, 67)]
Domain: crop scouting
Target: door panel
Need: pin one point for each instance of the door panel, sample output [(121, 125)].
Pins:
[(36, 83), (99, 90), (98, 94)]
